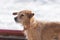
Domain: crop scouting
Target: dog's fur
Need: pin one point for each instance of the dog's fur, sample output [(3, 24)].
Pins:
[(36, 30)]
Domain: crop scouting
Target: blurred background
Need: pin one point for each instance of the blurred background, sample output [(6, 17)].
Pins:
[(45, 10)]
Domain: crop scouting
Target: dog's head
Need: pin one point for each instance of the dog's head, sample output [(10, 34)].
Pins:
[(23, 16)]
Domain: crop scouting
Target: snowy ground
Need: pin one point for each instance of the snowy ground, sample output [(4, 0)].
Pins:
[(46, 10)]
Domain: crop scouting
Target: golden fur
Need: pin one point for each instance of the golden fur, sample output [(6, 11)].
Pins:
[(36, 30)]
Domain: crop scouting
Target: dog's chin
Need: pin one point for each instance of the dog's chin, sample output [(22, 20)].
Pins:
[(17, 21)]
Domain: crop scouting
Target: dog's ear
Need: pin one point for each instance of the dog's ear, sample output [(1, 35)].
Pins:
[(31, 15), (15, 13)]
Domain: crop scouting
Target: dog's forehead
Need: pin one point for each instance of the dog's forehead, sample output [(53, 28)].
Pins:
[(25, 12)]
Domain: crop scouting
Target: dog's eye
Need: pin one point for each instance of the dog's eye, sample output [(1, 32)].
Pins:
[(21, 15)]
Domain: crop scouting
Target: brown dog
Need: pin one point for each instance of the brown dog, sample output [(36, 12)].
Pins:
[(37, 30)]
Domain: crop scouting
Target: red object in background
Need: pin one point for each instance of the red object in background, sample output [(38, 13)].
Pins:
[(12, 32), (12, 35)]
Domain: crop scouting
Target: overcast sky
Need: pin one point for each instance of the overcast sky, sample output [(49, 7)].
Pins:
[(46, 10)]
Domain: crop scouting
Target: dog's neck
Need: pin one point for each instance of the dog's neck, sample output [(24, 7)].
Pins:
[(32, 23)]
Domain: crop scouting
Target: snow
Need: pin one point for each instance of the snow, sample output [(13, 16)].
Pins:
[(45, 10)]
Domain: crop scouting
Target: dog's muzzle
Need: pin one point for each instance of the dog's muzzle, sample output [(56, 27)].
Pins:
[(16, 19)]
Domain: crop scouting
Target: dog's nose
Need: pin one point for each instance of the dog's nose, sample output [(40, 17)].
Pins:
[(15, 19)]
